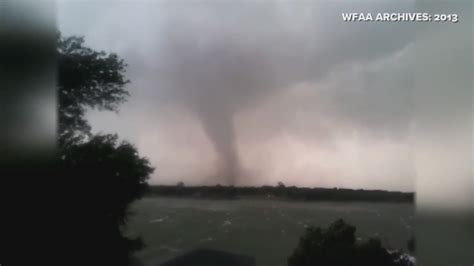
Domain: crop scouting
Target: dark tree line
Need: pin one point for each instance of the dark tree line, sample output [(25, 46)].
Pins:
[(106, 174), (283, 192)]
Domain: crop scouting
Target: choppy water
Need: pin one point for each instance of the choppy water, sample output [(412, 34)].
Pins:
[(266, 229)]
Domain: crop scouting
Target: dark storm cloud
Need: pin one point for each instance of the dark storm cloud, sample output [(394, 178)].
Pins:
[(296, 64)]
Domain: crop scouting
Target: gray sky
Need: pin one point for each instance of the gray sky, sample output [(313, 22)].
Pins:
[(256, 92)]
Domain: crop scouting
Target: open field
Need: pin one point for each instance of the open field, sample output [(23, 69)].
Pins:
[(266, 229)]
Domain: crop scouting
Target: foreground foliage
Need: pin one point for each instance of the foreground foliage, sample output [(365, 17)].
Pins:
[(107, 175), (337, 246)]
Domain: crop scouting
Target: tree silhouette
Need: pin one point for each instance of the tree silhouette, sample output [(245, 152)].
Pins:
[(336, 246), (107, 174), (86, 78)]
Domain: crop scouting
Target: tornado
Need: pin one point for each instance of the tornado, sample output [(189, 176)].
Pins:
[(219, 128)]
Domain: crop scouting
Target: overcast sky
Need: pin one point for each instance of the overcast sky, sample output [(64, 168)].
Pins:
[(257, 92)]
